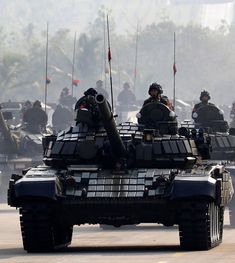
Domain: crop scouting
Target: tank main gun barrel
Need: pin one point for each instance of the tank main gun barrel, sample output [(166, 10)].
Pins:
[(9, 141), (106, 115)]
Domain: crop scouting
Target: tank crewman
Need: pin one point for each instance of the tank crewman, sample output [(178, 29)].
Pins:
[(67, 99), (126, 96), (155, 92), (61, 118), (204, 98), (87, 103), (88, 100), (99, 88), (232, 112), (27, 105), (35, 117), (232, 115)]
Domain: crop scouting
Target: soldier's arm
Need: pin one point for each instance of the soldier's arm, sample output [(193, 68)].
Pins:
[(165, 100), (194, 111)]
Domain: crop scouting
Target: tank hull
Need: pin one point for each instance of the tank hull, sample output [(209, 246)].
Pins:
[(79, 196), (81, 188)]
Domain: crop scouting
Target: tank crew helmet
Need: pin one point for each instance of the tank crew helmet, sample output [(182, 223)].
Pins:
[(99, 83), (27, 103), (65, 90), (37, 103), (205, 93), (155, 86), (91, 92), (126, 85)]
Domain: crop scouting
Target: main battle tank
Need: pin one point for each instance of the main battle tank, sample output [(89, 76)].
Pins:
[(209, 119), (100, 173), (19, 149)]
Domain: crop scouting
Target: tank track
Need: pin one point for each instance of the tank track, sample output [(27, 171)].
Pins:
[(201, 225), (39, 232)]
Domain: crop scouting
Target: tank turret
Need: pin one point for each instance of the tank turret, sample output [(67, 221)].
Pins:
[(158, 116), (210, 118)]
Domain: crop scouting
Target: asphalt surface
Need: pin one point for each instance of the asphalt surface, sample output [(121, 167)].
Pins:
[(143, 243)]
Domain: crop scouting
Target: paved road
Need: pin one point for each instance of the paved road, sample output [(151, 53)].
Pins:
[(144, 243)]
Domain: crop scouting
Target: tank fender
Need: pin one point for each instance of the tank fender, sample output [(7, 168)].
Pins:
[(49, 187), (193, 187)]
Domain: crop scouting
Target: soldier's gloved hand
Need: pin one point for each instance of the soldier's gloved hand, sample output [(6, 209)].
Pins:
[(195, 115)]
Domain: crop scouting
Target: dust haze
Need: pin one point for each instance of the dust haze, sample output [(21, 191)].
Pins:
[(205, 53)]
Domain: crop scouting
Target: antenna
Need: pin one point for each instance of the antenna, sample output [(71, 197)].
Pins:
[(136, 55), (47, 81), (174, 71), (105, 60), (110, 65), (74, 52)]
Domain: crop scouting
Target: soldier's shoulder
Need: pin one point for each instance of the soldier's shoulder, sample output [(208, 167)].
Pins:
[(197, 105), (164, 99), (148, 99)]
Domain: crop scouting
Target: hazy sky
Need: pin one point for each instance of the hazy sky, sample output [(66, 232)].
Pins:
[(77, 14)]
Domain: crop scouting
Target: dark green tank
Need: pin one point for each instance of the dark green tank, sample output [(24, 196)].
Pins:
[(19, 149), (99, 173), (210, 120)]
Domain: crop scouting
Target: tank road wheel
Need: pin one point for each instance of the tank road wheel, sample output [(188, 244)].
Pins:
[(39, 232), (200, 226)]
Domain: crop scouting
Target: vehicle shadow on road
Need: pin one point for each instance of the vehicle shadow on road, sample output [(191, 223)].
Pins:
[(8, 253), (124, 249)]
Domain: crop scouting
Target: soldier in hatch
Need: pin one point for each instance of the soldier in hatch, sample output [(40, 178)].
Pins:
[(62, 118), (67, 99), (99, 88), (204, 98), (35, 118), (155, 92), (88, 100), (126, 96)]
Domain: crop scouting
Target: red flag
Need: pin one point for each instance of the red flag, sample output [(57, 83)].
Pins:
[(109, 55), (174, 69), (135, 72), (75, 82), (48, 81)]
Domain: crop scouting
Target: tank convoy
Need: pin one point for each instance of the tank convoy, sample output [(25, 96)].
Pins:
[(100, 173)]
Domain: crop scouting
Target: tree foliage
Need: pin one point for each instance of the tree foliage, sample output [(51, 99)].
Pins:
[(205, 60)]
